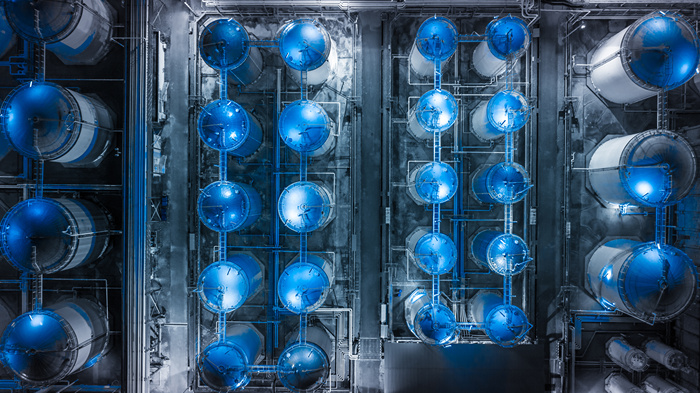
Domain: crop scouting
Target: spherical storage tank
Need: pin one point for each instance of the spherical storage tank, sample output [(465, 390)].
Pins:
[(77, 32), (304, 285), (504, 253), (225, 365), (618, 383), (224, 125), (45, 121), (505, 183), (306, 206), (506, 325), (305, 127), (626, 356), (44, 346), (305, 45), (8, 39), (653, 168), (436, 111), (224, 44), (434, 253), (506, 112), (225, 285), (305, 366), (658, 51), (508, 36), (648, 281), (434, 324), (43, 235), (434, 182), (437, 39), (225, 206)]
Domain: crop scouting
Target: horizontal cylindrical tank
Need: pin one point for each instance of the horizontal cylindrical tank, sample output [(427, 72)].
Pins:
[(506, 112), (503, 253), (224, 365), (305, 45), (434, 182), (44, 235), (434, 253), (225, 206), (508, 36), (8, 39), (305, 126), (224, 44), (77, 32), (618, 383), (433, 324), (225, 125), (626, 356), (304, 285), (436, 111), (655, 384), (648, 281), (306, 206), (653, 168), (670, 357), (437, 38), (305, 366), (45, 121), (44, 346), (658, 51), (225, 285), (506, 325), (505, 183)]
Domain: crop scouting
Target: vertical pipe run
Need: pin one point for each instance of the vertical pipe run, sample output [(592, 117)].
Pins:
[(438, 74), (436, 290)]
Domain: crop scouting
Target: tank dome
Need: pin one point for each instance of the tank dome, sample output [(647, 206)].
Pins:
[(437, 38), (508, 111), (224, 366), (508, 36), (225, 126), (303, 367), (43, 20), (436, 182), (304, 44), (225, 206), (224, 44), (505, 183), (304, 126), (435, 253), (504, 253), (436, 324), (225, 285), (506, 325), (305, 206), (303, 286), (436, 110)]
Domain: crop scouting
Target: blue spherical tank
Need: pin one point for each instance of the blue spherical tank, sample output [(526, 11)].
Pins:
[(224, 125), (224, 44), (437, 38), (436, 110), (505, 183), (305, 126), (45, 121), (225, 285), (507, 36), (436, 324), (8, 39), (225, 365), (304, 44), (435, 253), (305, 206), (434, 182), (506, 112), (506, 325), (504, 253), (224, 206), (303, 367), (44, 346), (648, 281), (303, 286), (43, 235), (78, 32)]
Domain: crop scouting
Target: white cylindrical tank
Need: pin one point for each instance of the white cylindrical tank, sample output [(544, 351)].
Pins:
[(434, 182), (508, 36), (658, 51), (305, 127), (618, 383), (435, 111), (670, 357), (224, 44), (304, 366), (433, 324), (655, 384), (436, 39), (626, 356), (505, 324), (305, 45), (434, 253), (506, 112)]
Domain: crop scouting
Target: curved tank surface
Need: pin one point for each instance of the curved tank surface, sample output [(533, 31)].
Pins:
[(670, 357), (225, 206), (45, 121), (626, 356), (653, 168), (436, 39), (434, 182), (436, 111), (225, 365), (305, 206), (305, 366), (305, 45), (618, 383), (648, 281), (506, 112), (508, 36), (433, 325), (505, 183), (78, 32), (304, 286), (655, 384), (44, 346), (503, 253), (506, 325), (224, 125), (225, 285), (224, 45), (304, 126), (658, 51), (8, 39), (43, 235), (434, 253)]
